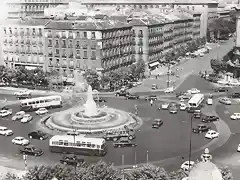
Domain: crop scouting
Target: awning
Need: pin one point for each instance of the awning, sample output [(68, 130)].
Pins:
[(154, 64)]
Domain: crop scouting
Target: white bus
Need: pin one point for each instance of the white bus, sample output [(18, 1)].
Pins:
[(80, 145), (196, 100), (41, 102)]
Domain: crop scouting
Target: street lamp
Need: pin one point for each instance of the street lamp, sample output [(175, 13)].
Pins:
[(190, 142)]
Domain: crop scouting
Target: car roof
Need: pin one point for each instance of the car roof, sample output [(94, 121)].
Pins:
[(30, 146), (18, 137), (212, 131), (201, 125), (157, 120)]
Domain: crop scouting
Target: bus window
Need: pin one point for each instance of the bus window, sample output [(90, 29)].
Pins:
[(98, 146), (47, 100), (65, 143), (55, 142), (71, 144), (60, 142), (78, 143), (83, 144), (37, 102), (93, 145), (88, 144), (58, 99), (41, 101)]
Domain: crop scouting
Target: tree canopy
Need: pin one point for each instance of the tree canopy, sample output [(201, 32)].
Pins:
[(218, 66)]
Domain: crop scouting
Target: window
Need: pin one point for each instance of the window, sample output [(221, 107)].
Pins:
[(57, 51), (93, 35), (78, 34), (49, 41), (93, 54), (140, 32), (78, 52), (85, 54), (60, 142), (5, 31), (85, 34), (57, 43), (77, 44)]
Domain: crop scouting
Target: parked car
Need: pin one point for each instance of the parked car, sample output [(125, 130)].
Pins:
[(221, 89), (197, 114), (37, 135), (124, 142), (235, 116), (211, 134), (208, 119), (151, 97), (19, 115), (154, 86), (31, 150), (201, 128), (234, 95), (187, 165), (71, 160), (185, 96), (169, 90), (5, 131), (41, 111), (209, 101), (20, 141), (5, 113), (180, 94), (132, 96), (173, 109), (26, 118), (121, 93), (225, 101), (157, 123)]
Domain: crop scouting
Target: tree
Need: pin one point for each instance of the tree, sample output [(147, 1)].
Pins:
[(138, 69), (148, 172), (218, 66), (178, 175), (226, 173), (92, 78)]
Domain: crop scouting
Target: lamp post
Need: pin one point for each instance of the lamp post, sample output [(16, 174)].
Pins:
[(190, 142)]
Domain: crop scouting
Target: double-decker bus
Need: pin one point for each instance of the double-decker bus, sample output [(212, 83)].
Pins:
[(40, 102), (80, 145)]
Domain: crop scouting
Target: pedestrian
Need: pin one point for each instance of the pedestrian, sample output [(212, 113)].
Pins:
[(5, 100), (151, 102)]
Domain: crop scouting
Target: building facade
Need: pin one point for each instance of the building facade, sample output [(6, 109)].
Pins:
[(23, 43), (22, 8)]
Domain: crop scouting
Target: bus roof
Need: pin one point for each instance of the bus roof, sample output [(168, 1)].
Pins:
[(39, 98), (80, 138), (196, 97)]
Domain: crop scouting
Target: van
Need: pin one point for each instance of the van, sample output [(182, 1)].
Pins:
[(19, 115), (209, 101)]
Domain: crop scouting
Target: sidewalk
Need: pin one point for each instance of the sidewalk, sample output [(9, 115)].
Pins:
[(5, 170)]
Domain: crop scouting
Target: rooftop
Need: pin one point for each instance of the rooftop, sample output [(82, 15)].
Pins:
[(26, 22)]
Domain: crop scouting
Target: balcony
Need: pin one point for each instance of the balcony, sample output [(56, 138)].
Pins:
[(5, 41), (77, 46), (57, 64), (64, 55), (28, 42), (63, 45), (57, 55), (57, 36), (40, 44), (93, 47), (49, 35), (71, 66), (57, 45), (64, 65), (70, 45), (85, 57), (22, 42), (140, 35), (15, 34), (50, 45), (140, 43), (70, 56), (84, 47), (50, 54), (93, 58), (70, 36), (78, 56), (64, 36)]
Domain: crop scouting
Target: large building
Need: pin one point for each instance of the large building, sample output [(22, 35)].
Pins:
[(23, 43), (100, 41), (22, 8)]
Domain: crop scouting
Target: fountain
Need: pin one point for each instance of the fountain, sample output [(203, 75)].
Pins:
[(90, 106), (90, 118)]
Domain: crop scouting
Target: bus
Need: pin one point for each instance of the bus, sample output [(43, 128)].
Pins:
[(196, 100), (79, 145), (40, 102)]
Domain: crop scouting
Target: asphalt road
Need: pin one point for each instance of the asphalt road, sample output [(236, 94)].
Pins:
[(171, 140)]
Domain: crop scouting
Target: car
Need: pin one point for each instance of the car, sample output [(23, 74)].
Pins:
[(211, 134), (190, 109), (20, 141), (165, 105), (208, 119), (182, 107), (121, 93), (234, 95), (201, 128), (19, 115), (235, 116), (131, 96), (99, 99), (238, 148), (185, 96), (124, 142), (151, 97), (180, 94), (26, 118), (73, 133), (154, 87), (41, 111), (37, 135), (221, 89), (72, 160), (5, 131), (187, 165), (193, 91), (169, 90), (209, 101), (173, 109), (22, 93), (197, 114), (31, 150), (225, 101), (5, 113), (157, 123)]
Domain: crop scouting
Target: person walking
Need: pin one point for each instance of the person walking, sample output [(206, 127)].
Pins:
[(151, 102)]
